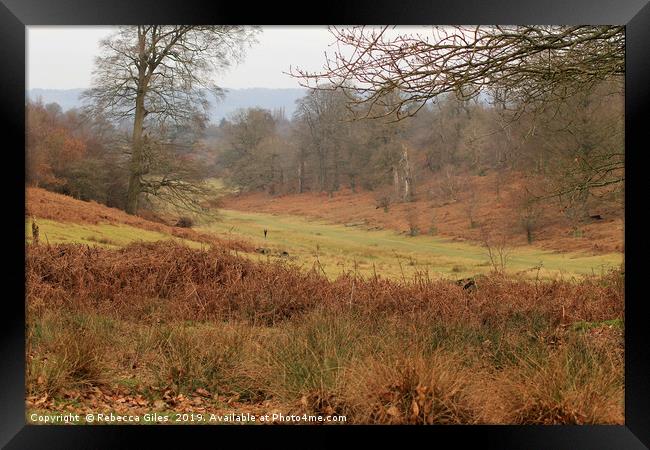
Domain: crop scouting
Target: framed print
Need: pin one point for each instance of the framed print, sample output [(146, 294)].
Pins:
[(326, 225)]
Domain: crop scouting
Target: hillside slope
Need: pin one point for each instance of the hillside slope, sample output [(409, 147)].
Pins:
[(72, 220), (431, 214)]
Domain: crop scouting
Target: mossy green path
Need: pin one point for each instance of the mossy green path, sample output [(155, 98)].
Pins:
[(340, 248)]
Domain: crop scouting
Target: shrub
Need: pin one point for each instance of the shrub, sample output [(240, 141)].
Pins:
[(414, 390), (383, 201), (185, 222)]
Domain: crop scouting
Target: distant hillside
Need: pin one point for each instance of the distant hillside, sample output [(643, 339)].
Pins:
[(235, 99), (66, 98), (257, 97)]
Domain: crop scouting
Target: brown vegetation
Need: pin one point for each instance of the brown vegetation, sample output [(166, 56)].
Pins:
[(170, 327), (217, 285)]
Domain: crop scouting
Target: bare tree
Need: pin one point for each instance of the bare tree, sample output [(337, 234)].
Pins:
[(527, 62), (497, 248), (324, 115), (470, 206), (407, 177), (530, 213), (250, 154), (412, 221), (156, 77), (450, 183), (583, 139), (524, 68)]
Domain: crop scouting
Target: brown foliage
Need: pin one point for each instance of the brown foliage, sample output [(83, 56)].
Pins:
[(214, 284), (198, 329), (431, 392), (51, 145)]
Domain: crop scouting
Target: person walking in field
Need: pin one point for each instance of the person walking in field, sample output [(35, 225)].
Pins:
[(265, 232)]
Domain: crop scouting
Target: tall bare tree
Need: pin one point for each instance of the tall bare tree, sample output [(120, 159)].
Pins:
[(324, 115), (250, 154), (156, 77)]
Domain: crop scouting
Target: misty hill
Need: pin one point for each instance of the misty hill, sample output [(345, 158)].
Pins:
[(234, 99)]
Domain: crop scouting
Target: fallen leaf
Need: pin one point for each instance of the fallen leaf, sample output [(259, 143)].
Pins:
[(393, 411), (415, 408), (203, 392)]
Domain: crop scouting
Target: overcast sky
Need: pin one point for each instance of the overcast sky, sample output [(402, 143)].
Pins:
[(61, 57)]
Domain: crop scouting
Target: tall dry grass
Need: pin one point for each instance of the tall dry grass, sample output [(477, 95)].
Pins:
[(164, 317), (216, 285)]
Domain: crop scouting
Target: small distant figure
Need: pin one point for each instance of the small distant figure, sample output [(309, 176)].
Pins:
[(35, 232), (265, 232)]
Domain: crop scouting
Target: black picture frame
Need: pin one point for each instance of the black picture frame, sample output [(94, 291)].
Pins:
[(15, 15)]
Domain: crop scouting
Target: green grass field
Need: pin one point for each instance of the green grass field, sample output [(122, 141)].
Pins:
[(339, 248), (105, 235), (336, 249)]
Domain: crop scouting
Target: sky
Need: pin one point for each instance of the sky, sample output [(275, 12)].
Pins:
[(61, 57)]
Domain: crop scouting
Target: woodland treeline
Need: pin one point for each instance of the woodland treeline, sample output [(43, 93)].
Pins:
[(572, 145), (322, 149)]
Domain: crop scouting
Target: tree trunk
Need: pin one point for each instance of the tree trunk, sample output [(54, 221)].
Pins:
[(407, 190), (135, 164), (408, 179), (135, 185), (322, 172), (301, 176), (396, 181), (335, 181)]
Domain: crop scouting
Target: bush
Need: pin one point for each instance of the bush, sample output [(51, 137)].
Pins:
[(383, 201), (185, 222)]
